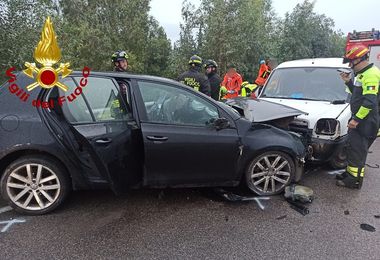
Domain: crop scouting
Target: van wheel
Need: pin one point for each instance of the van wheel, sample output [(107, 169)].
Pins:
[(339, 160), (270, 172), (35, 185)]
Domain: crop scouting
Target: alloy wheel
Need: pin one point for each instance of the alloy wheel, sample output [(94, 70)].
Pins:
[(270, 174), (33, 186)]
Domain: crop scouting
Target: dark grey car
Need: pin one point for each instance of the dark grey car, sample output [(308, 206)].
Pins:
[(159, 133)]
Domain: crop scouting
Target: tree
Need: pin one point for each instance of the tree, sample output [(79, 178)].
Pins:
[(186, 45), (235, 32), (306, 34), (20, 30), (88, 33), (157, 51)]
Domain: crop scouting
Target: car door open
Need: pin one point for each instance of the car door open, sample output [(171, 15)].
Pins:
[(105, 131)]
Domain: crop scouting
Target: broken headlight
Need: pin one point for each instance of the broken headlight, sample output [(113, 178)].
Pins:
[(327, 126)]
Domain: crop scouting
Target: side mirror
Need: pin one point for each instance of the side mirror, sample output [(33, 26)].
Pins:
[(221, 123)]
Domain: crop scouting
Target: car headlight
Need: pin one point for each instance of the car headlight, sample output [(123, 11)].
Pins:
[(327, 126)]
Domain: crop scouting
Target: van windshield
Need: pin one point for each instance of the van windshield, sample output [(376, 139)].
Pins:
[(323, 84)]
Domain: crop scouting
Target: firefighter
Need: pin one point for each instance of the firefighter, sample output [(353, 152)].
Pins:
[(211, 72), (120, 61), (264, 72), (364, 123), (231, 83), (194, 78), (248, 90)]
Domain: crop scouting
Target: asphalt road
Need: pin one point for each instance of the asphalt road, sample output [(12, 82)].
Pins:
[(192, 223)]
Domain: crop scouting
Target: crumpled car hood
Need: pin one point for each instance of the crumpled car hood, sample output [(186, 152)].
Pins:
[(315, 109), (257, 110)]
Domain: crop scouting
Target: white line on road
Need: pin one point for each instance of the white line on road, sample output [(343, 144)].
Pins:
[(5, 209), (9, 223)]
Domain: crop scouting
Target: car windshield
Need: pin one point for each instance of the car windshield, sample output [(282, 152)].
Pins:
[(307, 84)]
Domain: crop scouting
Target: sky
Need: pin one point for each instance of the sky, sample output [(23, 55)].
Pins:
[(349, 15)]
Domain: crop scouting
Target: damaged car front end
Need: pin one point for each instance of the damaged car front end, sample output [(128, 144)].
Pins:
[(274, 120)]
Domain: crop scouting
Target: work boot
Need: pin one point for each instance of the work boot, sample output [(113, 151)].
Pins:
[(350, 182), (341, 176)]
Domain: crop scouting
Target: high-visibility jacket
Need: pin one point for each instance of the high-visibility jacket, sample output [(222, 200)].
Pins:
[(364, 100), (232, 84), (364, 108), (247, 90), (263, 75)]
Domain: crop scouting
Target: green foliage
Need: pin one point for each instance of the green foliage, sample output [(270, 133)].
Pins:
[(239, 32), (242, 32), (88, 33), (306, 34)]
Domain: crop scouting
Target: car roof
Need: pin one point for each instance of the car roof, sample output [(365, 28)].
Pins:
[(317, 62), (128, 75)]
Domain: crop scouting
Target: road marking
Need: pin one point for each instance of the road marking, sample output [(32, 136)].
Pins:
[(5, 209), (257, 200), (336, 172), (261, 206), (9, 223)]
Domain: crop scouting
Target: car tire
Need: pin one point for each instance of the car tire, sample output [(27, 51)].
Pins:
[(270, 172), (35, 185), (339, 160)]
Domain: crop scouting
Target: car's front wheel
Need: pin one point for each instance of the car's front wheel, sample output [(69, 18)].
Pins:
[(270, 172), (35, 185)]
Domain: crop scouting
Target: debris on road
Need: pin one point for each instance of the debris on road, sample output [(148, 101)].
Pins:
[(232, 197), (281, 217), (367, 227), (376, 166), (299, 193), (300, 208), (377, 216), (346, 212)]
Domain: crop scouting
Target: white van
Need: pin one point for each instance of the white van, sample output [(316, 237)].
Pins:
[(315, 87)]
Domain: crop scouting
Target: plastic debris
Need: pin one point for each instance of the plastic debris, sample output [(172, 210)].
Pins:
[(367, 227), (232, 197), (299, 193), (297, 206)]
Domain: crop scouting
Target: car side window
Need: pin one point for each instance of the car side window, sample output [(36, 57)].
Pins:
[(104, 99), (76, 111), (173, 105), (100, 95)]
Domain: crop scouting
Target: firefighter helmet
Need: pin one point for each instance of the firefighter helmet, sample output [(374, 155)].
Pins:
[(356, 52), (195, 60), (211, 63), (119, 55)]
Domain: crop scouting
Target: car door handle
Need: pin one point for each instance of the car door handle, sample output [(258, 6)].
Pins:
[(157, 138), (103, 141)]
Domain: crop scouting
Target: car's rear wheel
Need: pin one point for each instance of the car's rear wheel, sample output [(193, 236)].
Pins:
[(270, 172), (35, 185)]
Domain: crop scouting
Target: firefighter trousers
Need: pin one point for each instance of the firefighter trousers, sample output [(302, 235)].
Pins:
[(357, 150)]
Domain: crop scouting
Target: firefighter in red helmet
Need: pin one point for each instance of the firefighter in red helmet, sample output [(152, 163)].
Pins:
[(364, 123)]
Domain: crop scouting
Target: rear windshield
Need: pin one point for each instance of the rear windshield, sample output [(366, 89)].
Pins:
[(306, 83)]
